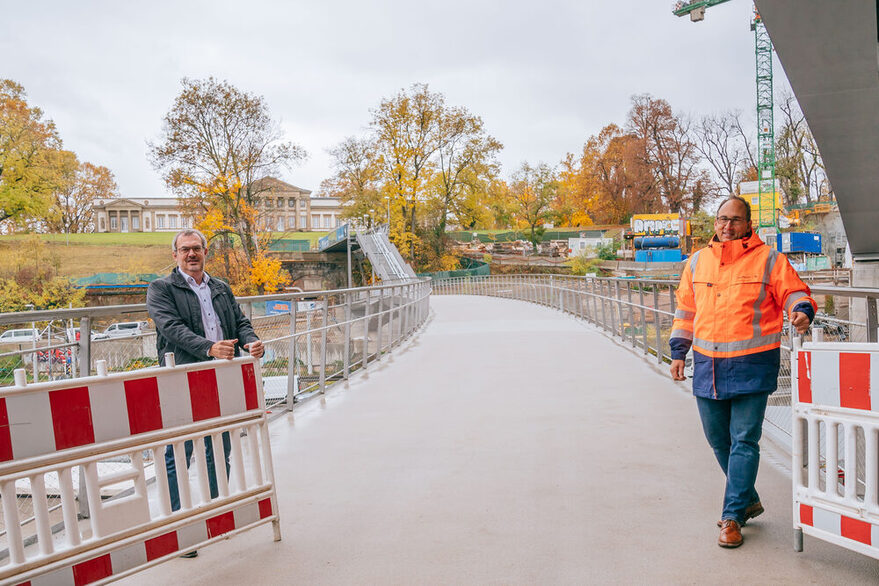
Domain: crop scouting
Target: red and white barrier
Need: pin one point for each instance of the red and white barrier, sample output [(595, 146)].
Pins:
[(836, 444), (54, 429)]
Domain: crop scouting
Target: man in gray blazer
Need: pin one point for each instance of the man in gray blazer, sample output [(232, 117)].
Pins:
[(198, 319)]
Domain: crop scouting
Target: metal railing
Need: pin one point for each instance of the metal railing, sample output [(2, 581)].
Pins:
[(640, 312)]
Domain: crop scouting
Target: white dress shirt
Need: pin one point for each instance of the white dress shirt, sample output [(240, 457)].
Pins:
[(213, 331)]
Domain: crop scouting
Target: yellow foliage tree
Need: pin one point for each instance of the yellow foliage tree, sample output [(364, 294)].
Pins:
[(267, 275)]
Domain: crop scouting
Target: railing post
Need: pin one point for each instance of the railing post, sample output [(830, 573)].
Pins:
[(631, 312), (323, 343), (366, 328), (309, 368), (872, 321), (643, 317), (85, 346), (657, 324), (619, 309), (347, 359), (291, 358), (378, 315)]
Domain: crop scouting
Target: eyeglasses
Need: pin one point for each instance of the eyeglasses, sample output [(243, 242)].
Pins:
[(187, 249), (721, 220)]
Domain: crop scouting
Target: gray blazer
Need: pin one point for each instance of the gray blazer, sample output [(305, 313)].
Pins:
[(174, 308)]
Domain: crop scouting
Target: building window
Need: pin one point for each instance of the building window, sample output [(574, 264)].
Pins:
[(291, 203), (135, 222), (114, 223), (291, 222), (302, 221), (315, 221), (279, 225), (327, 221), (280, 202), (172, 222), (268, 202), (160, 222)]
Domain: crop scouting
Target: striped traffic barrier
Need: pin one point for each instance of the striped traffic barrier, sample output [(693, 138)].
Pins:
[(67, 429), (836, 444)]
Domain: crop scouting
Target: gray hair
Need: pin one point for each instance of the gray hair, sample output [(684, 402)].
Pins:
[(189, 232)]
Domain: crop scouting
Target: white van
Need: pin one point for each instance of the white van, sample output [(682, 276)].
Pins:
[(20, 336), (125, 329)]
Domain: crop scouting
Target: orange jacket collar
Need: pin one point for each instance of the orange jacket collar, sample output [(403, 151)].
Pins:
[(732, 250)]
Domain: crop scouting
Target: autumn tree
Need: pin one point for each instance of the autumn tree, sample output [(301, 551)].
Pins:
[(405, 130), (428, 163), (356, 178), (667, 147), (72, 210), (532, 190), (465, 166), (217, 144), (31, 160), (611, 179)]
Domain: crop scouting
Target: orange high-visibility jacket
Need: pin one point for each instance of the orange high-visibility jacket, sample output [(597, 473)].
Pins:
[(731, 297)]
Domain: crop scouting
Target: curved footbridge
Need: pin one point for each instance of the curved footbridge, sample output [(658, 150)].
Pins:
[(508, 443)]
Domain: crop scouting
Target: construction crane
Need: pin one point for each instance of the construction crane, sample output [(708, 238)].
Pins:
[(766, 209)]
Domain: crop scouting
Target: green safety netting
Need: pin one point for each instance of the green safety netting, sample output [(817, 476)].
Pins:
[(513, 235), (471, 268), (117, 279), (290, 245)]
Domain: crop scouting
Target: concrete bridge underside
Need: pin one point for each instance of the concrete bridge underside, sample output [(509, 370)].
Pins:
[(508, 443)]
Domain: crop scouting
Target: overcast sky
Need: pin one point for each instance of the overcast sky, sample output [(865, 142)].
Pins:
[(543, 76)]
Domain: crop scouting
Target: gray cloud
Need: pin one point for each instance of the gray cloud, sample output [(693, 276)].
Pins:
[(544, 76)]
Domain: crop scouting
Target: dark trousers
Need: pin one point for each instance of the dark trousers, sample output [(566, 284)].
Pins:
[(171, 467)]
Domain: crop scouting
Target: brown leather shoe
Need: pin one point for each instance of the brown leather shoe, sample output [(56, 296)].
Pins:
[(753, 510), (730, 534)]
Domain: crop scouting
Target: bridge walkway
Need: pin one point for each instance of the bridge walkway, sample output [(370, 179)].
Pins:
[(508, 444)]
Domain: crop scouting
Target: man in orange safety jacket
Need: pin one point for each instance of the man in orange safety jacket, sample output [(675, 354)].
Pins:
[(730, 308)]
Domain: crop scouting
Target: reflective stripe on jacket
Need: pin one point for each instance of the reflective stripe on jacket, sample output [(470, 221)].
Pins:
[(732, 295), (729, 308)]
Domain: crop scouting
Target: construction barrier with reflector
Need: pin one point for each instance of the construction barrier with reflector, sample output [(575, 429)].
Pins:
[(836, 444), (70, 427)]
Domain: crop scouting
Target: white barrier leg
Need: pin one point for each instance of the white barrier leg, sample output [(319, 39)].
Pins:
[(69, 508), (162, 481), (201, 463), (12, 522), (237, 463)]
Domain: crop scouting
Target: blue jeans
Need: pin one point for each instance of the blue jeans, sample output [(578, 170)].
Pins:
[(733, 428), (171, 467)]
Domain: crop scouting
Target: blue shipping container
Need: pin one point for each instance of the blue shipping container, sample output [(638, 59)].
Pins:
[(665, 255), (799, 242)]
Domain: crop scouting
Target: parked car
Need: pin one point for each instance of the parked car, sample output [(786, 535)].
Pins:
[(125, 329), (73, 335), (20, 336)]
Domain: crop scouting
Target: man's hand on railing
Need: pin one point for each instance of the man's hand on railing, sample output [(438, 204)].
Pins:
[(256, 349), (800, 321), (677, 370), (223, 349)]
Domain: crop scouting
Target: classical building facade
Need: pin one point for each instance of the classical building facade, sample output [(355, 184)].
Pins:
[(282, 207), (153, 214)]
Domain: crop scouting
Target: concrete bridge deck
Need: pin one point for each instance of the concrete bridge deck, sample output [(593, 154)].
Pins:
[(508, 444)]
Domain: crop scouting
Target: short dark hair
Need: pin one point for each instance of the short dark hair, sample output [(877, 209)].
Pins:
[(741, 200)]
